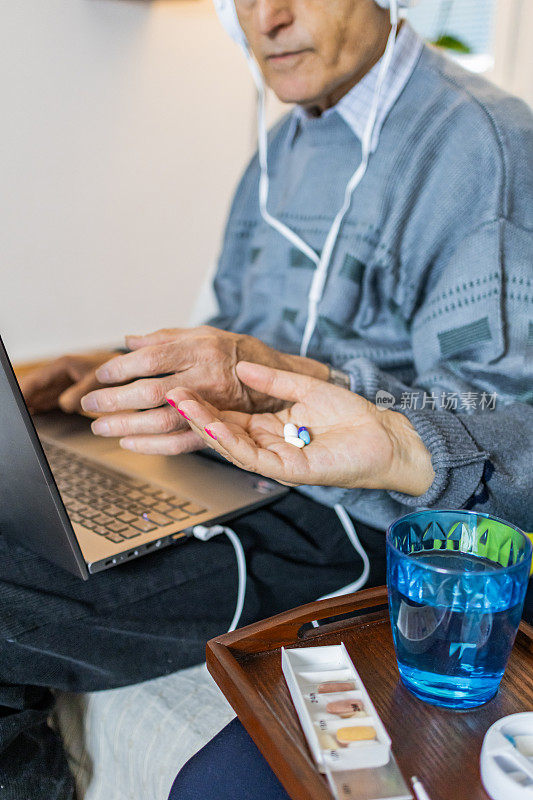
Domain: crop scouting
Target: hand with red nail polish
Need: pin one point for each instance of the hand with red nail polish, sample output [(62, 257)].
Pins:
[(353, 443)]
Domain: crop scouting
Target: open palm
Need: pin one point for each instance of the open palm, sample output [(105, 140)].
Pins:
[(351, 445)]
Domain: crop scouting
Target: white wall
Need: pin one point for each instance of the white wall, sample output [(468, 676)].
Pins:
[(513, 47), (124, 126)]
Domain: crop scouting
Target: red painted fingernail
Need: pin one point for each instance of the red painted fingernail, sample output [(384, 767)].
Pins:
[(173, 404), (212, 435)]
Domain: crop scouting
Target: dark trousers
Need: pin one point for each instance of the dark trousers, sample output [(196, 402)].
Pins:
[(233, 764), (147, 618)]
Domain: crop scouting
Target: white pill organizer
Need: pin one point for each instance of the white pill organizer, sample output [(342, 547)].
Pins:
[(507, 758), (348, 742)]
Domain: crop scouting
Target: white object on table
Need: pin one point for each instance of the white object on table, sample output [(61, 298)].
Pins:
[(506, 761), (418, 789)]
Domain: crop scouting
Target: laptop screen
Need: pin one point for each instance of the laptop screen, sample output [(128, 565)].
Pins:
[(32, 513)]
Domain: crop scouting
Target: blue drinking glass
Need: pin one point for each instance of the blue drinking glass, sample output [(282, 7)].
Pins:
[(457, 582)]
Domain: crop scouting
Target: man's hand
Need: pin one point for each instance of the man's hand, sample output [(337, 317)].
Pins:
[(62, 382), (202, 359), (353, 443)]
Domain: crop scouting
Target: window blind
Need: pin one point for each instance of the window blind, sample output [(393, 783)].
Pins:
[(470, 21)]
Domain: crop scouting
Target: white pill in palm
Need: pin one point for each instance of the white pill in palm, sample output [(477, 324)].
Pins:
[(290, 430), (295, 440)]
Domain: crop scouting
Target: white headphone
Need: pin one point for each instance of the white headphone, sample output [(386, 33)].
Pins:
[(227, 14)]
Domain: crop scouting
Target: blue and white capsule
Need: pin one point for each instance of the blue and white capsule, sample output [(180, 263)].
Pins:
[(304, 435)]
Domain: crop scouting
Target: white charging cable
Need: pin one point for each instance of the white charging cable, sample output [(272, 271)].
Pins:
[(203, 533), (351, 533), (348, 526)]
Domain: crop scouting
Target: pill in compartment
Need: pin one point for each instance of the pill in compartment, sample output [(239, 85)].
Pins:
[(331, 687), (352, 707), (337, 706), (333, 735), (318, 684), (355, 733)]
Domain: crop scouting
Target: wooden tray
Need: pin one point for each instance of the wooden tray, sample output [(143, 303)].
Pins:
[(441, 746)]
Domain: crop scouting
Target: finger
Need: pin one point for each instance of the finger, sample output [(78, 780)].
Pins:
[(218, 437), (70, 400), (139, 395), (44, 400), (139, 423), (177, 396), (42, 378), (170, 444), (133, 342), (274, 382), (146, 361), (232, 444)]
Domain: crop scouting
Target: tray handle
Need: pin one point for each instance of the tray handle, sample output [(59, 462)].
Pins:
[(282, 630)]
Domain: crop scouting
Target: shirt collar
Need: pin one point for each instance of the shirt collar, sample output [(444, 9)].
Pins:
[(355, 106)]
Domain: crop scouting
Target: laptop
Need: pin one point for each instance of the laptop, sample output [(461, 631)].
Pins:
[(86, 505)]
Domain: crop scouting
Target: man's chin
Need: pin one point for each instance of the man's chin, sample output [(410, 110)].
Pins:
[(296, 85), (295, 93)]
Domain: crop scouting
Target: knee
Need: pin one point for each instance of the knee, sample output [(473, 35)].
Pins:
[(218, 764), (230, 767), (192, 781)]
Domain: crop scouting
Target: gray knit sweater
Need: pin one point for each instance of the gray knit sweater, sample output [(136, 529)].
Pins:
[(429, 296)]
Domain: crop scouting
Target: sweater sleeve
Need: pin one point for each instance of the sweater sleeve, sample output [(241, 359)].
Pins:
[(230, 272), (470, 399)]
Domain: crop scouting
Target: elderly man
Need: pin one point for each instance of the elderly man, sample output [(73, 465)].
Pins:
[(390, 252)]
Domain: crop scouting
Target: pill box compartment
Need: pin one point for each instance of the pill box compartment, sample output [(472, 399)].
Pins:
[(314, 676)]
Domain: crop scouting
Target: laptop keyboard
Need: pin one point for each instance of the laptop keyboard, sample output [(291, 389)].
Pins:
[(112, 504)]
